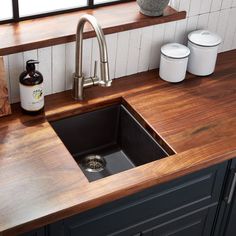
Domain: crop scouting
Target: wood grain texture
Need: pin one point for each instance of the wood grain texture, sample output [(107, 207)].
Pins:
[(40, 182), (4, 102), (53, 30)]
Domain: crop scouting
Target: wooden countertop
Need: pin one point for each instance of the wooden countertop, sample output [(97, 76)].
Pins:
[(40, 182)]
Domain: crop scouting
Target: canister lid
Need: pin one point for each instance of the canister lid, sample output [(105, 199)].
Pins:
[(175, 50), (204, 38)]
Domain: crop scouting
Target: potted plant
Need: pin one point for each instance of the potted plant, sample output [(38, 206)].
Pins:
[(152, 7)]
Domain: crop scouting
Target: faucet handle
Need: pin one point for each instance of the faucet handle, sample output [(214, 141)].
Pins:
[(95, 69)]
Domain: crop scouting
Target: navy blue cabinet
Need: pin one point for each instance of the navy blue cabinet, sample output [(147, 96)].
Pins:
[(200, 204), (194, 223), (185, 206), (38, 232), (226, 223)]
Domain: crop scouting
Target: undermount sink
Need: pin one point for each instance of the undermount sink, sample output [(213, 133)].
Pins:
[(107, 141)]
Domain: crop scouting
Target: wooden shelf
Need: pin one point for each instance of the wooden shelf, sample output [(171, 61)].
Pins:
[(53, 30)]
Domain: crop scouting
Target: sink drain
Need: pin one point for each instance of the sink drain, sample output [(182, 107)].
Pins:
[(93, 163)]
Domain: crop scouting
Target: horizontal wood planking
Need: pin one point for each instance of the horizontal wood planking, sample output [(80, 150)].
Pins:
[(197, 118), (53, 30)]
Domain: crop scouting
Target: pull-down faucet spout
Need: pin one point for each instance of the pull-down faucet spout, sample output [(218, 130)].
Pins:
[(80, 82)]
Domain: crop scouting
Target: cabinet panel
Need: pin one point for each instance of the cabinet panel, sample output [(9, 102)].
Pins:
[(226, 225), (229, 218), (191, 224), (195, 224), (37, 232), (231, 222), (159, 204)]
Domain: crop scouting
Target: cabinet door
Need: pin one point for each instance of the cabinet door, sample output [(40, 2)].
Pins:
[(229, 220), (152, 209), (37, 232), (230, 229), (227, 217), (196, 223)]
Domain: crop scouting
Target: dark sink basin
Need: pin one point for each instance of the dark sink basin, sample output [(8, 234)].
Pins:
[(107, 141)]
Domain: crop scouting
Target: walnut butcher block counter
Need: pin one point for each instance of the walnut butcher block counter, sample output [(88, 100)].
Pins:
[(40, 182)]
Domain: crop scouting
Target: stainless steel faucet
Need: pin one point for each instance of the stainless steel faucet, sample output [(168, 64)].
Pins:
[(80, 82)]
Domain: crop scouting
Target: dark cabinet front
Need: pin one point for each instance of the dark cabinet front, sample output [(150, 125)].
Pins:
[(185, 206), (226, 224), (200, 204), (193, 223)]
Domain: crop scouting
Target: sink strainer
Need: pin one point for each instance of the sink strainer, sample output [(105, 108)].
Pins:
[(93, 163)]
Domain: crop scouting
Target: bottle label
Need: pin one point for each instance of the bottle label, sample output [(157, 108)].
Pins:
[(32, 97)]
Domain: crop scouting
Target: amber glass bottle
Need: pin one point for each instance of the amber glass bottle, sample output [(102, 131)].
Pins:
[(31, 89)]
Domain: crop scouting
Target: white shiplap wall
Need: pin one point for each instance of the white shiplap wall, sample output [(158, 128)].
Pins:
[(131, 51)]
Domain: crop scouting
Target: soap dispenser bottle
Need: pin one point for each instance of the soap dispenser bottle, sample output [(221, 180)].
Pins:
[(31, 89)]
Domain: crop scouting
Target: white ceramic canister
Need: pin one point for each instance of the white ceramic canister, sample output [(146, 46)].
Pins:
[(173, 64), (203, 45)]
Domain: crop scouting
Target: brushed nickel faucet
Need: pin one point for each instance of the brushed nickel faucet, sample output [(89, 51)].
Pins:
[(80, 82)]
